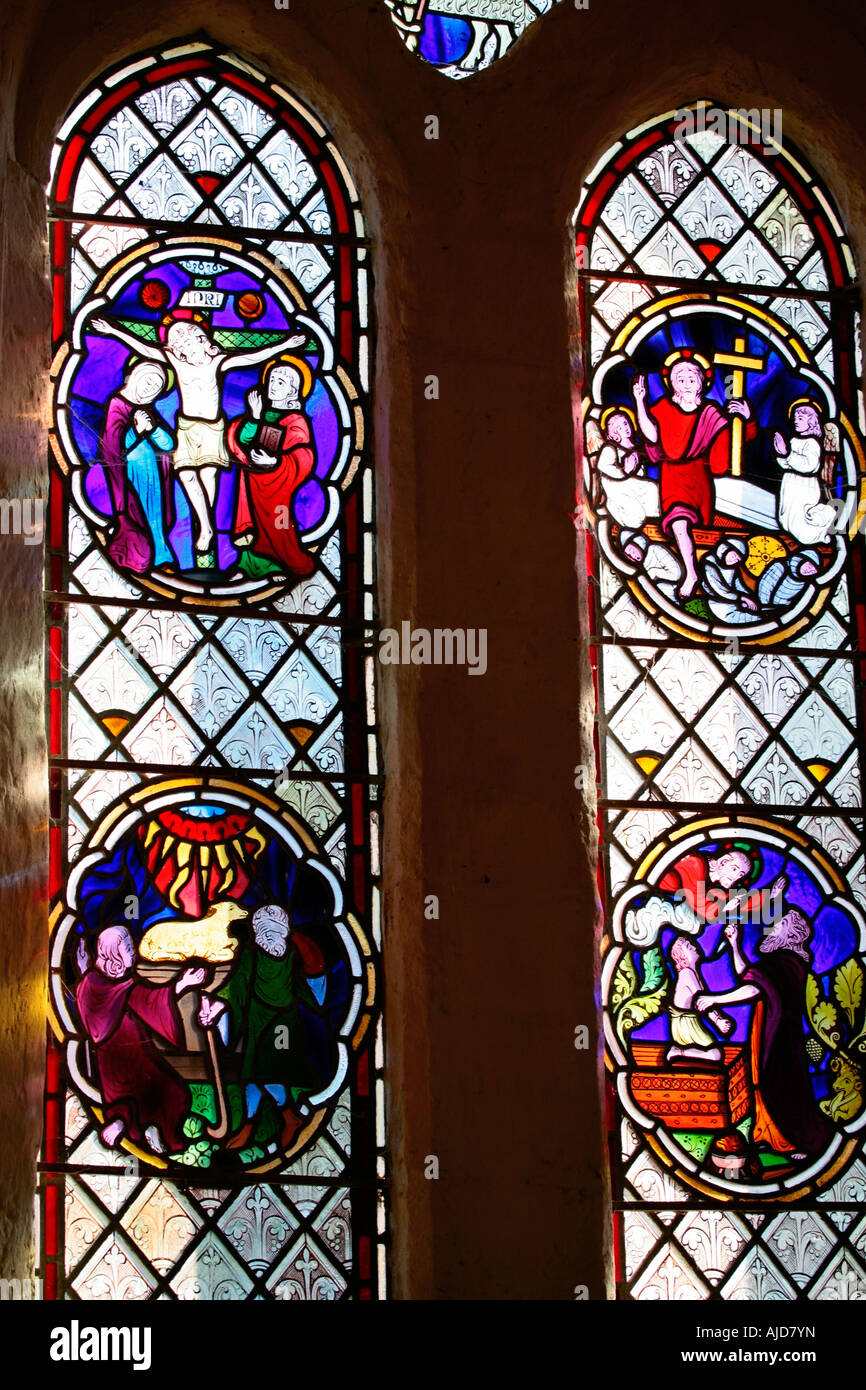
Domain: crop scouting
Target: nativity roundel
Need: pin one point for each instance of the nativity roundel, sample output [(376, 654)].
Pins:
[(723, 478), (206, 426), (735, 1026), (207, 981)]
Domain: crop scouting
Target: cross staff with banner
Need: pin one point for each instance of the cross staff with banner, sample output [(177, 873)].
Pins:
[(742, 363)]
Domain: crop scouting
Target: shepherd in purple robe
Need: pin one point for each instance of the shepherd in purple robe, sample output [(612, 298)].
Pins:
[(143, 1098), (134, 446), (787, 1115)]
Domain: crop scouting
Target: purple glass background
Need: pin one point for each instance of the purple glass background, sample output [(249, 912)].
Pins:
[(834, 938), (100, 374)]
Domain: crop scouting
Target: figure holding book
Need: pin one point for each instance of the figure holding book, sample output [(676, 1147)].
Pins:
[(274, 446), (189, 346)]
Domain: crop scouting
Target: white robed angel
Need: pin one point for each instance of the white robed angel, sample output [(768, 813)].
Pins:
[(801, 513), (630, 498)]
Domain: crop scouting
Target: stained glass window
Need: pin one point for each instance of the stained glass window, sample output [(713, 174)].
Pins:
[(722, 483), (214, 1108), (462, 37)]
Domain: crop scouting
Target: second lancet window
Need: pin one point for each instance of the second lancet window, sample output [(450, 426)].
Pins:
[(722, 476)]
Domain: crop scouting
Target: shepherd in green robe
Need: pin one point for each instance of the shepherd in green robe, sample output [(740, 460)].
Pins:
[(277, 981)]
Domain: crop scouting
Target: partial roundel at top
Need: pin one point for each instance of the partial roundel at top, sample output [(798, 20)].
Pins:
[(462, 37)]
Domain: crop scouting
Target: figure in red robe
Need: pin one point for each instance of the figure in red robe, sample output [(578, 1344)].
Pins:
[(277, 455), (143, 1098), (716, 886), (690, 439)]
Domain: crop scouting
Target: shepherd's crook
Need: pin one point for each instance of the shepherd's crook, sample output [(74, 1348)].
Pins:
[(221, 1128)]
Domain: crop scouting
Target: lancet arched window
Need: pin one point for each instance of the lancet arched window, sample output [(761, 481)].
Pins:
[(214, 1113), (722, 475)]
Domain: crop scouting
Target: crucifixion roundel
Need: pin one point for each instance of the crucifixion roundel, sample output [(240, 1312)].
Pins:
[(724, 478), (206, 426)]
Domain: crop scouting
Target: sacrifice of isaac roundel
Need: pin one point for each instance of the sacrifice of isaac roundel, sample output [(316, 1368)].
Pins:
[(207, 428), (723, 478), (744, 926), (206, 978)]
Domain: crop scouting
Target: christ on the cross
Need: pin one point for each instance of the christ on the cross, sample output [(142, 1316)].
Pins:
[(690, 439), (201, 452)]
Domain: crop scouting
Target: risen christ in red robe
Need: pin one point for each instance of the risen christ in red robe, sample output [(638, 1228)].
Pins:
[(691, 448), (690, 439)]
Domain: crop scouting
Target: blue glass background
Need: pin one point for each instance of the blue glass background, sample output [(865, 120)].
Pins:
[(769, 393), (444, 39)]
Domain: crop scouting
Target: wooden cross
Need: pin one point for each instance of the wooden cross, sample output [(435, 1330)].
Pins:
[(741, 364)]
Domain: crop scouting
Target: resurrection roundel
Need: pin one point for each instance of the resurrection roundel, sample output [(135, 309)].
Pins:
[(206, 979), (205, 422), (736, 1017), (723, 478)]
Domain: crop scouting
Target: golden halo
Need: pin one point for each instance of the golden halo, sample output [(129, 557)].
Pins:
[(805, 400), (686, 355), (300, 366), (171, 317), (618, 410)]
